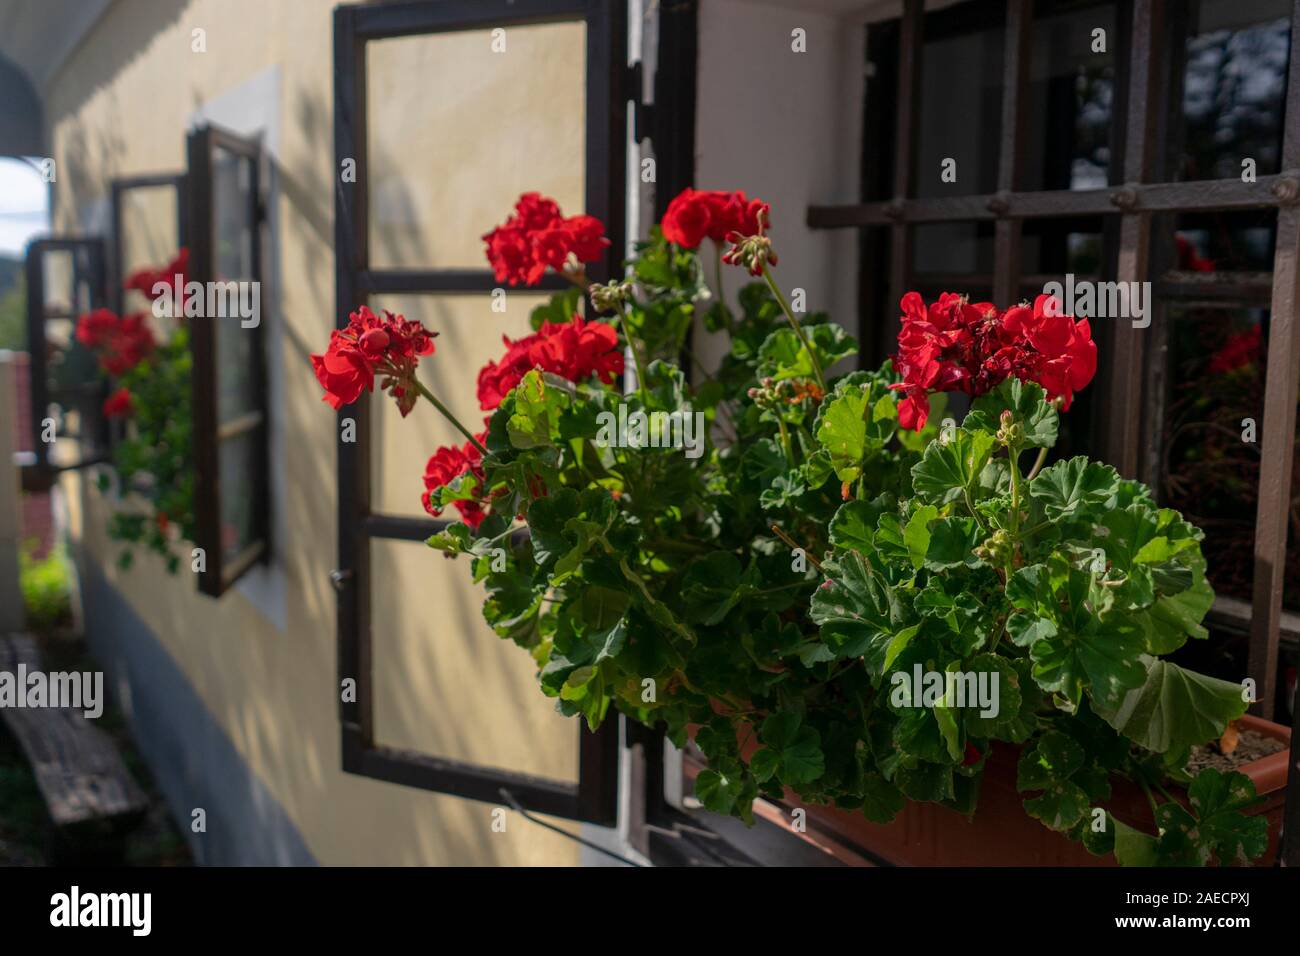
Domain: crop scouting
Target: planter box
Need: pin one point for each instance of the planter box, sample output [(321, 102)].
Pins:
[(1002, 834)]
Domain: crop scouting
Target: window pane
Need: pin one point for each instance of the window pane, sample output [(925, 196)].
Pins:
[(1072, 84), (960, 121), (148, 237), (1234, 87), (439, 680), (469, 336), (451, 153), (58, 275), (239, 457), (1210, 474), (234, 221)]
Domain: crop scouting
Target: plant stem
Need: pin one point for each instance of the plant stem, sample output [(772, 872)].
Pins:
[(636, 356), (722, 299), (446, 413), (1038, 464), (785, 440), (776, 528), (794, 324)]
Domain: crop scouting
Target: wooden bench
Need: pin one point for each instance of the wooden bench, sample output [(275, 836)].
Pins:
[(90, 795)]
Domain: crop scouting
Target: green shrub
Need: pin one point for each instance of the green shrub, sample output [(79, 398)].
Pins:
[(47, 589)]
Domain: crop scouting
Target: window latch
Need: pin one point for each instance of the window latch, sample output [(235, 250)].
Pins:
[(337, 577)]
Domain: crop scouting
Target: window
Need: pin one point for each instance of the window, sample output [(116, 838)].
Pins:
[(394, 250), (149, 226), (65, 278), (231, 419), (1162, 157)]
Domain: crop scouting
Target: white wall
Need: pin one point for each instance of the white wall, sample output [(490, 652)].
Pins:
[(787, 127)]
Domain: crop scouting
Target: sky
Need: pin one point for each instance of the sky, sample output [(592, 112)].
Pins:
[(24, 205)]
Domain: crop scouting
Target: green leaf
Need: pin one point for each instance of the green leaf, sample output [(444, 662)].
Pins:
[(1174, 708), (1053, 758), (1070, 487), (1169, 621), (916, 536), (454, 539), (858, 613), (881, 799), (783, 356), (949, 470), (726, 791), (842, 431), (854, 526), (713, 585), (538, 403), (1219, 799), (1132, 847), (1027, 402), (952, 543), (798, 747), (1060, 806)]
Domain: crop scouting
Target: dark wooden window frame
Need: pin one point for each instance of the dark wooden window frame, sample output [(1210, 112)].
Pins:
[(209, 433), (119, 188), (594, 797), (40, 474), (1134, 201)]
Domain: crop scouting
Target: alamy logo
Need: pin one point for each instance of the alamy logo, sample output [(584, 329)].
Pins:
[(213, 300), (922, 688), (1103, 300), (636, 429), (134, 910), (75, 691)]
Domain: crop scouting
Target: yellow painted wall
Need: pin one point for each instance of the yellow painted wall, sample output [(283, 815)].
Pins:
[(447, 167)]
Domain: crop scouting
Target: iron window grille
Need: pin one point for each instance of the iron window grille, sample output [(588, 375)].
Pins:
[(232, 524), (594, 797), (1143, 97)]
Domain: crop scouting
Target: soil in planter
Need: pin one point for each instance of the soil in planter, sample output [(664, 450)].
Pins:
[(1250, 746)]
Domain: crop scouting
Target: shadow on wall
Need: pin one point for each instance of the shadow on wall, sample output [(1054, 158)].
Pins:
[(300, 756)]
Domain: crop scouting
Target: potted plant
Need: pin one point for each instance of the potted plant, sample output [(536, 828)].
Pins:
[(845, 597)]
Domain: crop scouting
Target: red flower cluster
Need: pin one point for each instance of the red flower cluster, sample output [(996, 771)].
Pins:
[(144, 280), (390, 346), (537, 236), (955, 345), (695, 215), (1241, 349), (448, 464), (120, 342), (575, 350), (118, 405)]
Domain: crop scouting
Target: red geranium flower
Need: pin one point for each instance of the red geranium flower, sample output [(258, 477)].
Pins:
[(1241, 349), (575, 350), (118, 405), (120, 343), (538, 236), (956, 345), (695, 215), (144, 280), (445, 466), (390, 346)]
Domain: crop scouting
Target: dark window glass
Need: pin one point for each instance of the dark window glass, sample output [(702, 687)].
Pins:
[(1234, 87)]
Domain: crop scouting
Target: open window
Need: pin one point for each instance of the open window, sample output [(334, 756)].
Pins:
[(149, 226), (65, 278), (533, 91), (222, 308)]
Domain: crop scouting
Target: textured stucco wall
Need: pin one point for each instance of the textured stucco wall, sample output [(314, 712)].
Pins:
[(261, 660)]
